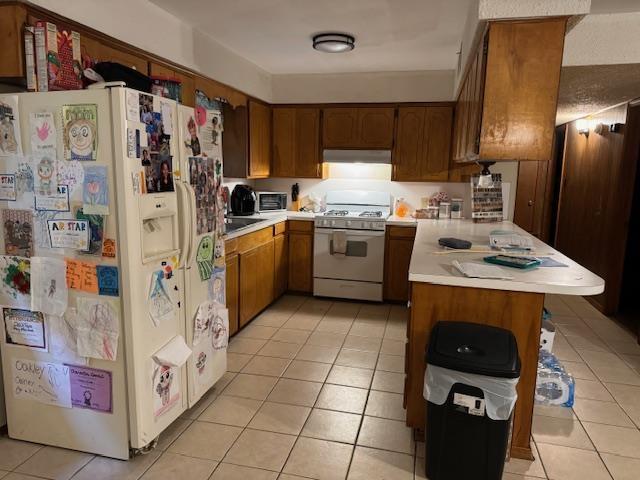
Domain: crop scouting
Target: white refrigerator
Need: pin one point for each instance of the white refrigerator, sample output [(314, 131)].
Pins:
[(111, 331)]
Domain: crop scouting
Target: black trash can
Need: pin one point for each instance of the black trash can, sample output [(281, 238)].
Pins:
[(470, 388)]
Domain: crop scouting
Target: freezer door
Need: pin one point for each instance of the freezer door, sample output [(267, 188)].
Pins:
[(198, 227), (68, 424)]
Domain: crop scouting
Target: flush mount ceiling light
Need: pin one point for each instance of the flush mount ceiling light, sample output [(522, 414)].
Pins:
[(334, 42)]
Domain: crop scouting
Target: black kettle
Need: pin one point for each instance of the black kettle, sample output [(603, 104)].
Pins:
[(243, 200)]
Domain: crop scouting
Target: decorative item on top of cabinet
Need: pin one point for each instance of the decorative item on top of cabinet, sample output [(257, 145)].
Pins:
[(507, 102), (296, 142), (187, 80), (259, 139), (301, 256), (358, 127), (422, 149), (397, 252)]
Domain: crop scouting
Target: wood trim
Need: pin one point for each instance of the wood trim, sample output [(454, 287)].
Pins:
[(254, 239), (231, 246), (301, 226), (279, 228)]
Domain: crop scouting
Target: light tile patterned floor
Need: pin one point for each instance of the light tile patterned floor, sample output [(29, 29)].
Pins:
[(314, 390)]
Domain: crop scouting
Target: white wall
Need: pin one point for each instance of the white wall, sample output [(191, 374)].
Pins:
[(147, 26), (425, 86)]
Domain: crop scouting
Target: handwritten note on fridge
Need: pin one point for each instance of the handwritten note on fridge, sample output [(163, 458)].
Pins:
[(42, 382)]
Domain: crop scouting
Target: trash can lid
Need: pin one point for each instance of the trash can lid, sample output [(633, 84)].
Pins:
[(473, 348)]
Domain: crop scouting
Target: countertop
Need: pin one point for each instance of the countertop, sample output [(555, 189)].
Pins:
[(429, 266), (397, 221), (269, 219)]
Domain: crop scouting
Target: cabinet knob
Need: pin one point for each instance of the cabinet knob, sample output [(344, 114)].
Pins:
[(530, 203)]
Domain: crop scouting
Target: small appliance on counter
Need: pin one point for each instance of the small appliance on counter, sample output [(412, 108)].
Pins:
[(271, 201), (243, 200)]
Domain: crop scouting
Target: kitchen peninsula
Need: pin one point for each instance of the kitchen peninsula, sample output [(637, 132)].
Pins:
[(440, 292)]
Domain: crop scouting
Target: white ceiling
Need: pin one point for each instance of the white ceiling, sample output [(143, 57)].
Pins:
[(391, 35)]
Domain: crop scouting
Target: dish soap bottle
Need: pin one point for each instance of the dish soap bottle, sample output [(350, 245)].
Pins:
[(402, 209)]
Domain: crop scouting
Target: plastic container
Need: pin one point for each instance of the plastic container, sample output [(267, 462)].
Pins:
[(457, 205), (470, 389), (431, 212), (554, 386), (444, 210)]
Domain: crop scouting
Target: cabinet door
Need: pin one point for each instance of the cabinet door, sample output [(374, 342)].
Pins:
[(375, 127), (307, 163), (231, 276), (436, 144), (259, 140), (249, 285), (12, 19), (300, 262), (284, 142), (265, 275), (281, 260), (407, 153), (399, 245), (340, 127), (235, 148)]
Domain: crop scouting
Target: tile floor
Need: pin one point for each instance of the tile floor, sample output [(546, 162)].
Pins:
[(314, 390)]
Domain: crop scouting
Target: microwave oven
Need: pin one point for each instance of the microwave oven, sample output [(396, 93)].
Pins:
[(271, 201)]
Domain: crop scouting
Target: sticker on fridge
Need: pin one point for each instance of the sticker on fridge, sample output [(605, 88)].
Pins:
[(98, 328), (49, 293), (15, 283), (17, 227), (43, 132), (165, 383), (80, 132), (8, 190), (10, 142), (43, 382), (24, 328), (95, 193), (91, 388), (204, 257), (67, 233)]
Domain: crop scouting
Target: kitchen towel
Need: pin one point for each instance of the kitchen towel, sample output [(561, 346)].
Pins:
[(339, 239), (175, 353)]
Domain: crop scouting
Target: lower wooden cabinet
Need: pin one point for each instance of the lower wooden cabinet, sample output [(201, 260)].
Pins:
[(301, 256), (398, 248), (232, 272), (281, 261), (256, 280)]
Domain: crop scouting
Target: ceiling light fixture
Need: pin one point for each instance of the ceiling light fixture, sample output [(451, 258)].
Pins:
[(334, 42), (582, 125)]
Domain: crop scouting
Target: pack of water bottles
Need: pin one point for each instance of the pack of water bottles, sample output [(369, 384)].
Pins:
[(554, 385)]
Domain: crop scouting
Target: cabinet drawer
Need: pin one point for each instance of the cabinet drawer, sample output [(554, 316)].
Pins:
[(279, 228), (401, 232), (230, 246), (300, 226), (254, 239)]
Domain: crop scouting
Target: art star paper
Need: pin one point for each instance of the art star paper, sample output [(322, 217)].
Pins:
[(49, 293), (17, 226), (43, 132), (8, 190), (98, 328), (43, 382), (15, 282), (95, 192), (58, 201), (24, 328), (68, 233), (10, 142)]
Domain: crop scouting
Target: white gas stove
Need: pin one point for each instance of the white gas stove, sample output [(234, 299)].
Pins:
[(349, 245)]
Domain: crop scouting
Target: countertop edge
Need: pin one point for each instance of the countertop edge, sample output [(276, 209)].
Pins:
[(268, 221)]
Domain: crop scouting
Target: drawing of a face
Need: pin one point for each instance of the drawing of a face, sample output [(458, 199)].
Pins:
[(205, 250), (163, 388), (201, 362), (80, 138), (45, 170), (219, 334)]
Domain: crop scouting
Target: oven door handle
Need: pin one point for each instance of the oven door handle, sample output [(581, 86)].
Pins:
[(355, 233)]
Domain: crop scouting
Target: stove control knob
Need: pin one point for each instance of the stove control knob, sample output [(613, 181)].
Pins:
[(364, 225), (348, 223), (333, 222)]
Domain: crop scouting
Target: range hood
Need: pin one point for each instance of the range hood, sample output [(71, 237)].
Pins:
[(357, 156)]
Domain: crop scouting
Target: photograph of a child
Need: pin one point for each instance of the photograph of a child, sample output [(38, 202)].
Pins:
[(159, 174), (146, 157)]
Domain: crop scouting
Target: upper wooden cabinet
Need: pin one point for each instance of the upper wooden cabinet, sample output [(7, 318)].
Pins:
[(353, 127), (296, 142), (507, 103), (12, 18), (423, 144), (259, 139)]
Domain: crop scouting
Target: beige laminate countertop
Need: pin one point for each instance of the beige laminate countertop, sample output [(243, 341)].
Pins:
[(269, 219)]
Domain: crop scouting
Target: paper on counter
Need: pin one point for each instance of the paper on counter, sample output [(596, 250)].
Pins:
[(478, 270), (49, 292), (174, 354), (98, 328)]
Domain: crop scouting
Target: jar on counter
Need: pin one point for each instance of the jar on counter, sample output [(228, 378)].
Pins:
[(432, 212), (456, 207), (444, 210)]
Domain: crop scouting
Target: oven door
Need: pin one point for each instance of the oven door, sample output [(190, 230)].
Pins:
[(363, 261)]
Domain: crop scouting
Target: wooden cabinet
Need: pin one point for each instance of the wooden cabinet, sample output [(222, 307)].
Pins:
[(358, 127), (398, 248), (296, 142), (235, 141), (101, 51), (256, 281), (232, 286), (12, 18), (259, 139), (423, 144), (301, 256), (281, 264), (507, 103)]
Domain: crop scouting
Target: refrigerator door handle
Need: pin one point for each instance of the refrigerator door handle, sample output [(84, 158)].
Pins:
[(192, 224), (185, 224)]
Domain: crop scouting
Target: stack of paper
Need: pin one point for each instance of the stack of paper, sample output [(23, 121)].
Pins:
[(479, 270), (506, 240)]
